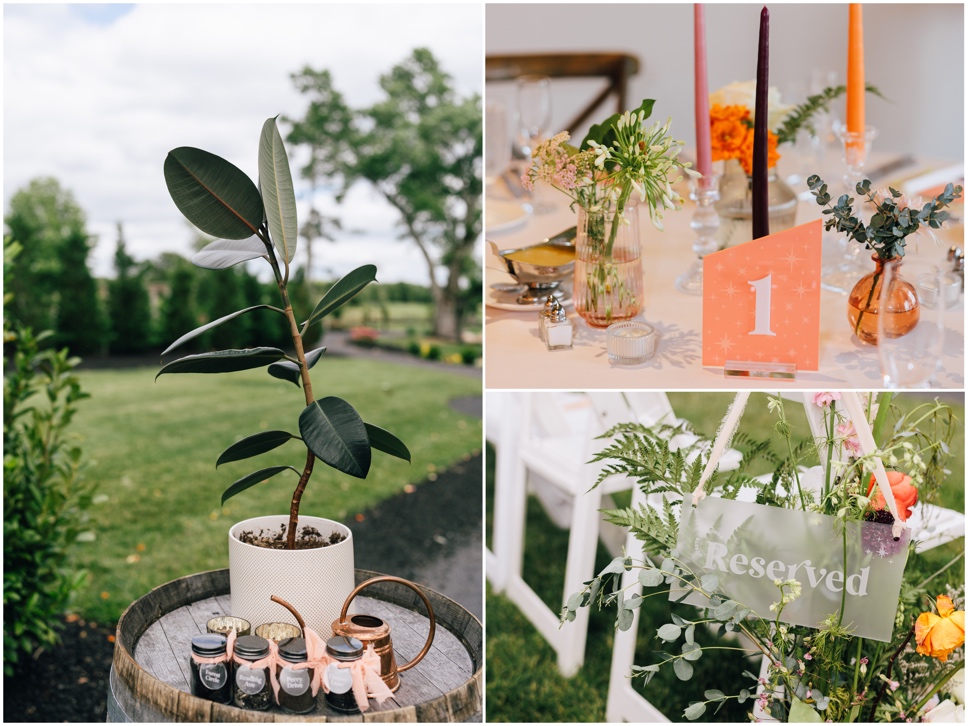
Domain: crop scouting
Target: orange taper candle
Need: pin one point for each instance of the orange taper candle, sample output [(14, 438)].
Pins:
[(855, 71)]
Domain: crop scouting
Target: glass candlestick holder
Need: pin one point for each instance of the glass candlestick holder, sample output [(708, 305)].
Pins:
[(705, 222), (843, 263)]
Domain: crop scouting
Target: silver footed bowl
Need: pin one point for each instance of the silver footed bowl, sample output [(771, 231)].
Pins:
[(540, 279)]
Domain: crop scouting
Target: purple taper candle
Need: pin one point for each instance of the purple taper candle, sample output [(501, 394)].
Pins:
[(761, 202)]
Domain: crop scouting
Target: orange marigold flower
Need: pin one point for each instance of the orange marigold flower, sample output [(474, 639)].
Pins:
[(938, 635), (746, 152), (729, 127), (905, 495)]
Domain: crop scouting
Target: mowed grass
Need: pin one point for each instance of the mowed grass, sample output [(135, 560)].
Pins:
[(523, 682), (152, 447)]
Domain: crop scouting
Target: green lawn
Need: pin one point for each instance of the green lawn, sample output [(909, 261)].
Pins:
[(152, 447), (523, 683)]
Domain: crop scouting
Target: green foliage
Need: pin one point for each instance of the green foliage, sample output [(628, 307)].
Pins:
[(468, 356), (79, 322), (45, 497), (42, 217), (893, 220), (178, 308), (419, 147), (802, 115), (433, 352), (129, 311), (221, 200)]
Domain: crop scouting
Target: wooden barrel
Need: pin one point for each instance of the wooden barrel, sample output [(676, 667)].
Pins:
[(149, 676)]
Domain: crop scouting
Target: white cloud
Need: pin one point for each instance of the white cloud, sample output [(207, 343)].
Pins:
[(98, 99)]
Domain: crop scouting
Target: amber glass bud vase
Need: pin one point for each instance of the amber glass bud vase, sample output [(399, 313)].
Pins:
[(902, 310)]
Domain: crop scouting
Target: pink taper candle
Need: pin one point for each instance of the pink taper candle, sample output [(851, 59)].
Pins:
[(855, 71), (704, 164), (761, 201)]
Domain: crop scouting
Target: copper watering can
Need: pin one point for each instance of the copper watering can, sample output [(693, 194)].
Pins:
[(375, 631)]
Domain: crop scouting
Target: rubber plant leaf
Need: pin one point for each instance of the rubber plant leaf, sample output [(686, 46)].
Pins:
[(604, 133), (278, 195), (344, 289), (383, 440), (215, 323), (254, 445), (224, 253), (333, 430), (289, 371), (256, 477), (213, 194), (224, 361)]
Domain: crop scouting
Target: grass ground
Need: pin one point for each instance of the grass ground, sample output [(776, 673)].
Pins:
[(152, 446), (523, 683)]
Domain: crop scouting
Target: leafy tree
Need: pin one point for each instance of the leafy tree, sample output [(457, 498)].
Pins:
[(42, 216), (129, 309), (420, 148), (78, 318)]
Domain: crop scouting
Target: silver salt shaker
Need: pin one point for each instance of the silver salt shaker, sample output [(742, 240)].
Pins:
[(559, 332)]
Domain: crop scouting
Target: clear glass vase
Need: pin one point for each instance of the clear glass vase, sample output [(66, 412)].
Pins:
[(608, 265), (735, 205), (900, 307)]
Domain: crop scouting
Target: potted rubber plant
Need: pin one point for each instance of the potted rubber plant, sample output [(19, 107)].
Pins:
[(306, 560)]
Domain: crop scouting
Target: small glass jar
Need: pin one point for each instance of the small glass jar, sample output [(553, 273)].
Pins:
[(278, 632), (295, 692), (209, 680), (253, 687), (340, 696), (559, 332), (225, 624)]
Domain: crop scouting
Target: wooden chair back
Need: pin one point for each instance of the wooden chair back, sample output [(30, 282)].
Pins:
[(615, 68)]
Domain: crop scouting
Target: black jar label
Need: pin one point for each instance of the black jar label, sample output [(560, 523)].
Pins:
[(340, 679), (213, 675), (294, 682), (250, 680)]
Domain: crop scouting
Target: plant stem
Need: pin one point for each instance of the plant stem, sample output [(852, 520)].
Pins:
[(887, 675), (938, 686)]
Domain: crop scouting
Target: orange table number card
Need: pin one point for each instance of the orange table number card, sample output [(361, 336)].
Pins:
[(761, 300)]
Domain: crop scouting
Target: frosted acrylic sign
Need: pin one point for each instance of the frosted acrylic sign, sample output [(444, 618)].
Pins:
[(748, 546)]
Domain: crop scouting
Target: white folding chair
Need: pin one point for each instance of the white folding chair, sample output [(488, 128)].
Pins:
[(556, 440)]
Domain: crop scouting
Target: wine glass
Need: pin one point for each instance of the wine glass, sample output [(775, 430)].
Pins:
[(497, 143), (534, 118), (912, 359)]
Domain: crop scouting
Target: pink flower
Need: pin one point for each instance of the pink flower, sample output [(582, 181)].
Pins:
[(823, 398), (849, 439), (864, 661), (894, 685), (807, 656)]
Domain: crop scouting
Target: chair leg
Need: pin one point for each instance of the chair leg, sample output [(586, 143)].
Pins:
[(580, 567)]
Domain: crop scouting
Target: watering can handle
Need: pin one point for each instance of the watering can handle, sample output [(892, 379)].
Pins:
[(426, 602)]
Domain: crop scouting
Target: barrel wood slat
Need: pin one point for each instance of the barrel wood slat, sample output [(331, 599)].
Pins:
[(150, 676)]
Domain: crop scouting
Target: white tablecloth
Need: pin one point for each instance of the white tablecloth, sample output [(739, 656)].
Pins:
[(515, 357)]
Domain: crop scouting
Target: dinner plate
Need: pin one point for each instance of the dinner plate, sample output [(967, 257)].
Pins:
[(502, 215), (509, 300)]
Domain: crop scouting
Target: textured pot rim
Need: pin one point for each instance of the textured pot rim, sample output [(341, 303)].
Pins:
[(285, 518)]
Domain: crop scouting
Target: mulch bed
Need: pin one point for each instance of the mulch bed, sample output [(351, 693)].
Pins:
[(70, 683)]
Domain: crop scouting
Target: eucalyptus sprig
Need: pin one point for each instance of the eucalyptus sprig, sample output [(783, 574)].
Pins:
[(802, 115), (896, 217)]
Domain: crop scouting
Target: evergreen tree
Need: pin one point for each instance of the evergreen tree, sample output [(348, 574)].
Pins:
[(178, 310), (79, 322), (226, 297), (129, 309)]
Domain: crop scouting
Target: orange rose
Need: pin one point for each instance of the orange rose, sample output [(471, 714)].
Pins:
[(938, 635), (746, 152), (905, 495)]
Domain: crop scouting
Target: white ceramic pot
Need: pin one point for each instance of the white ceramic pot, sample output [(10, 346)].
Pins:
[(316, 582)]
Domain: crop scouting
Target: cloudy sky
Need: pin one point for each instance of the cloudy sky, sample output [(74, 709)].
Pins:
[(96, 96)]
